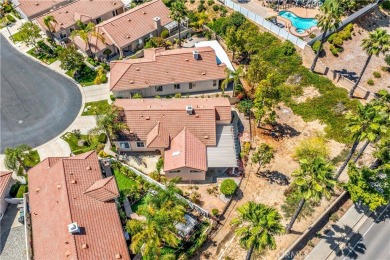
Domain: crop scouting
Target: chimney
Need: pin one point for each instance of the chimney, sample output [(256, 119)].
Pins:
[(73, 228), (157, 24), (189, 109), (196, 54)]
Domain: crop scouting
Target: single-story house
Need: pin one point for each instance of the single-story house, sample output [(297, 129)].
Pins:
[(86, 11), (30, 9), (73, 210), (5, 187), (129, 31), (165, 72), (192, 134)]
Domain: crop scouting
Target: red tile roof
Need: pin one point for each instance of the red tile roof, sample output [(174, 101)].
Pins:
[(158, 137), (142, 116), (164, 67), (104, 189), (57, 198), (35, 7), (5, 178), (83, 10), (186, 151), (135, 23)]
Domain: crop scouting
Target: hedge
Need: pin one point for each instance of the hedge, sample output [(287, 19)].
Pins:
[(228, 187)]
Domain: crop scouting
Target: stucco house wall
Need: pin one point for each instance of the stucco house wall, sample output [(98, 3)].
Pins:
[(185, 174), (5, 194), (134, 148)]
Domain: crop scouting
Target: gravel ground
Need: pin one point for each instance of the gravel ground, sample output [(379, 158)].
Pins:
[(14, 245)]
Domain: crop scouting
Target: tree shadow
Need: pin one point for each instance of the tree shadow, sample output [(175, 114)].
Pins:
[(279, 131), (275, 177), (348, 74)]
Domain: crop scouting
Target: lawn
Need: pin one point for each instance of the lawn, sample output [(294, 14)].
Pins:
[(16, 37), (136, 206), (47, 60), (95, 108), (84, 76), (74, 141), (124, 183), (32, 160)]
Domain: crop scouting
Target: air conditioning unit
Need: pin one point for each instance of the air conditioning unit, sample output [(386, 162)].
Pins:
[(189, 109), (74, 228)]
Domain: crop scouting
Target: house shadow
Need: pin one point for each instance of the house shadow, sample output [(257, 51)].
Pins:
[(6, 224)]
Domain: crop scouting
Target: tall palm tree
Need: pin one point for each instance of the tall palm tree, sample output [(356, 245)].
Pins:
[(178, 13), (329, 19), (234, 76), (313, 181), (378, 42), (366, 124), (257, 224), (110, 123), (86, 32), (50, 23), (14, 156)]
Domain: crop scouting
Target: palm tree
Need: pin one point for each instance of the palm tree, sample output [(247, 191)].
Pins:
[(314, 180), (378, 42), (14, 156), (257, 224), (50, 23), (367, 124), (234, 76), (178, 13), (263, 155), (328, 20), (86, 32), (110, 123)]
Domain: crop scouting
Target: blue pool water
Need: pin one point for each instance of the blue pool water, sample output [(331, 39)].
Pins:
[(302, 24)]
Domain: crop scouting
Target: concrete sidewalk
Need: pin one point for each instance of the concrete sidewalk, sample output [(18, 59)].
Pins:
[(337, 237)]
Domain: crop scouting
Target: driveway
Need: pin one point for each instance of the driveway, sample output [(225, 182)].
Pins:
[(37, 104)]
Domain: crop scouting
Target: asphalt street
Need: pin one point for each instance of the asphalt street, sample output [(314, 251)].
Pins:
[(37, 104), (373, 240)]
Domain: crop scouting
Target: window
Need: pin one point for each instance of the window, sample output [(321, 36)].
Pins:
[(159, 88), (98, 20), (140, 144), (214, 83), (124, 145), (194, 171), (71, 29), (192, 85), (175, 171), (114, 12), (62, 35), (176, 86)]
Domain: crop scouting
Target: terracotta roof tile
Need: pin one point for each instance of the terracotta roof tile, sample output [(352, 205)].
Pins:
[(135, 23), (5, 178), (57, 199), (158, 137), (163, 67), (186, 151), (103, 190), (35, 7)]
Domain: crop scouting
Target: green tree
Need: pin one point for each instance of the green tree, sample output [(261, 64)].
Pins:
[(233, 39), (155, 42), (257, 225), (86, 32), (245, 106), (110, 123), (70, 58), (14, 157), (263, 155), (313, 181), (257, 71), (291, 203), (178, 13), (378, 42), (30, 33), (50, 23), (366, 124), (369, 187), (328, 19), (232, 76)]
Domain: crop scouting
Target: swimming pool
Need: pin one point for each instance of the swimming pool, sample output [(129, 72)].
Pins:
[(302, 24)]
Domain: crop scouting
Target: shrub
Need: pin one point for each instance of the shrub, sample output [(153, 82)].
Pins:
[(201, 8), (11, 18), (178, 95), (164, 34), (103, 154), (312, 35), (102, 138), (370, 82), (22, 189), (107, 52), (331, 38), (228, 187), (387, 59), (112, 97), (333, 49), (105, 66), (310, 148), (338, 40), (316, 46), (155, 176), (215, 8), (202, 1), (159, 164), (192, 1), (14, 189), (136, 95), (377, 74), (386, 5), (215, 212), (210, 2)]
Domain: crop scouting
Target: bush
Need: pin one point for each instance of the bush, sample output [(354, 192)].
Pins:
[(192, 1), (316, 46), (160, 164), (338, 40), (210, 2), (377, 74), (370, 82), (386, 5), (201, 8), (11, 18), (14, 189), (102, 138), (215, 212), (310, 148), (22, 189), (164, 34), (178, 95), (136, 95), (215, 8), (387, 59), (333, 49), (228, 187)]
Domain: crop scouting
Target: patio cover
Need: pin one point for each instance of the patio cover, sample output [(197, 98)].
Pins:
[(224, 154), (219, 51)]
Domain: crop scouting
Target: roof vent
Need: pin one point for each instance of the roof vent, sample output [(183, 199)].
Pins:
[(114, 3), (84, 246), (147, 118), (131, 82), (37, 190), (74, 228), (196, 115), (73, 181), (189, 109), (61, 23), (187, 59), (67, 253), (206, 137), (176, 153), (88, 168), (127, 36), (137, 69), (203, 72), (66, 12), (144, 12), (58, 186), (129, 20), (196, 54), (37, 4), (118, 256)]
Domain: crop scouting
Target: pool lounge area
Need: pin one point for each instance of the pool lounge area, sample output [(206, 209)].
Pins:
[(297, 25)]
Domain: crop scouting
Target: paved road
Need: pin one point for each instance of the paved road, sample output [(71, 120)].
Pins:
[(374, 241), (37, 104)]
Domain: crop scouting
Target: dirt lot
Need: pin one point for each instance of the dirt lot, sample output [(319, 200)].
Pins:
[(269, 192), (352, 59)]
